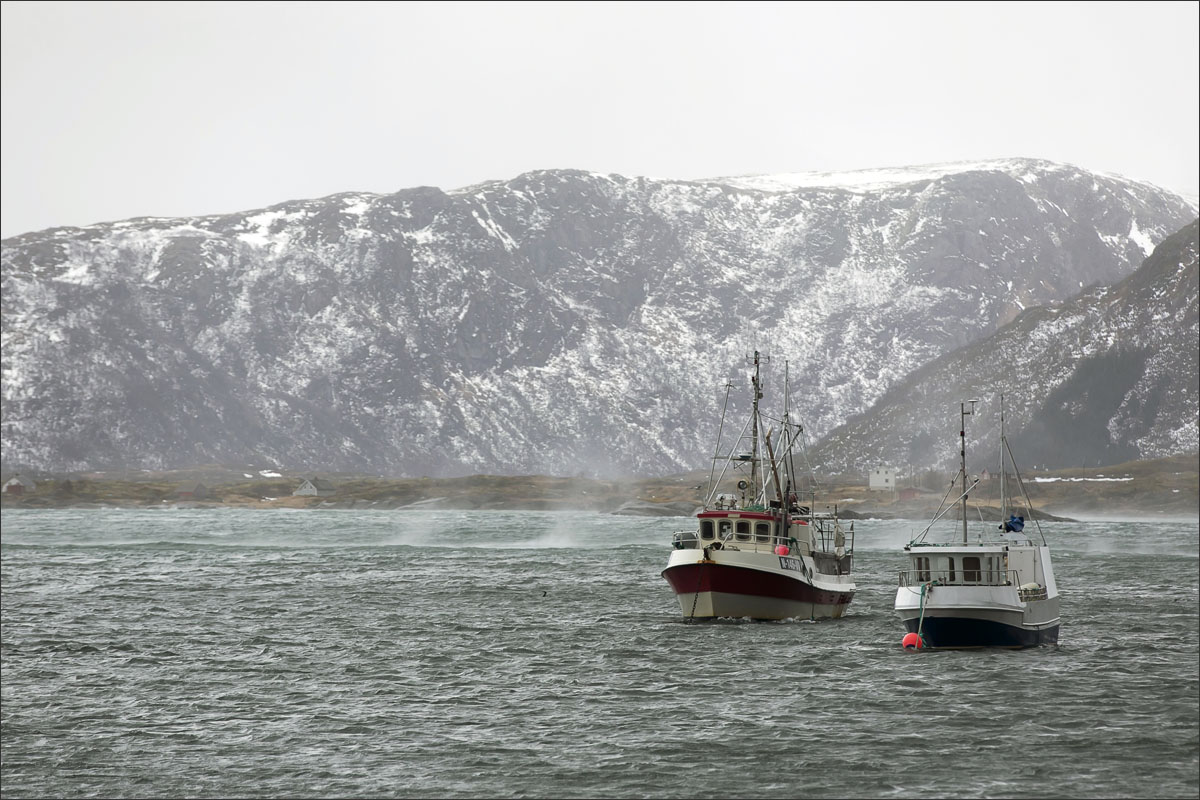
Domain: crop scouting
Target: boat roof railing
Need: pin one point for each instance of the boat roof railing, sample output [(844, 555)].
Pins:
[(980, 542)]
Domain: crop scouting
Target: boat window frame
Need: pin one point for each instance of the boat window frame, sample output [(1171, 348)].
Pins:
[(742, 531), (972, 574), (950, 570), (923, 569), (707, 530), (762, 531)]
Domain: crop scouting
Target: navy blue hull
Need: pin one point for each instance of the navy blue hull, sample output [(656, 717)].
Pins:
[(958, 632)]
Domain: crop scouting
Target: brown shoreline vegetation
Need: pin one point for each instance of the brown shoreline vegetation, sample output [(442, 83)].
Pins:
[(1157, 489)]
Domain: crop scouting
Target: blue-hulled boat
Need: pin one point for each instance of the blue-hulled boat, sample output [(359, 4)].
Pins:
[(995, 590)]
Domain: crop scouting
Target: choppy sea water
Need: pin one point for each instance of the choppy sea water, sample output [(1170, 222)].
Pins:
[(229, 653)]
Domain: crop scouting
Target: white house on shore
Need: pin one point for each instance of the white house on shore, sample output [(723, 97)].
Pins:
[(882, 479), (315, 487)]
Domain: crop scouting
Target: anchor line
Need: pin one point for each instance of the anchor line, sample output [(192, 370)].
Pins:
[(699, 582), (921, 622)]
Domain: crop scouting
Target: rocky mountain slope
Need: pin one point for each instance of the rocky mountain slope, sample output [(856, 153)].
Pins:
[(560, 322), (1111, 376)]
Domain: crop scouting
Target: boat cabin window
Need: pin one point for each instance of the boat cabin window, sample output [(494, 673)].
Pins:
[(743, 530), (724, 528), (923, 569), (706, 529), (950, 570), (762, 531), (970, 565)]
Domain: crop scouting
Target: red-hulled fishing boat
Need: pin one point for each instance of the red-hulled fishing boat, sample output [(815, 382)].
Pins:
[(760, 553)]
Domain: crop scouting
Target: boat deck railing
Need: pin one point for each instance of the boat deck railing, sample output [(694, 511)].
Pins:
[(836, 560), (958, 577), (754, 543)]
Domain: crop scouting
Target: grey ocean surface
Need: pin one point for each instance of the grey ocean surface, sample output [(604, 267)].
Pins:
[(231, 653)]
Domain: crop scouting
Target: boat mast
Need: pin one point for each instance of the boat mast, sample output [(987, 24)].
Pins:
[(774, 469), (792, 434), (710, 489), (1003, 492), (784, 432), (754, 431), (962, 452), (1025, 494)]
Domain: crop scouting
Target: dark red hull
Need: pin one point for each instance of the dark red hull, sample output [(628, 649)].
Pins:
[(710, 589)]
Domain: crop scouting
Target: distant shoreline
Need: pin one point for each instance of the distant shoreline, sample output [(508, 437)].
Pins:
[(639, 508), (1162, 489)]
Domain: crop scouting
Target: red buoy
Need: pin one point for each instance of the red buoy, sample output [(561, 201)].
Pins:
[(912, 641)]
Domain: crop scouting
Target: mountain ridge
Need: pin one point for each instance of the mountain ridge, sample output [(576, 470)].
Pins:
[(560, 321)]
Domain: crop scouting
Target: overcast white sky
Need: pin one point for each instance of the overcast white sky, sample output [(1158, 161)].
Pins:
[(116, 110)]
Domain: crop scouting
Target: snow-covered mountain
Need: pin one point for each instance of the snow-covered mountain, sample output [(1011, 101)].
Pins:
[(561, 322), (1110, 376)]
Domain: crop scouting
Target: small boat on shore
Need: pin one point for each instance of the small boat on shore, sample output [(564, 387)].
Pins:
[(762, 552), (997, 590)]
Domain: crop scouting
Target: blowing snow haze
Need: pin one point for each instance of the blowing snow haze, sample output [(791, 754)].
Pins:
[(574, 323)]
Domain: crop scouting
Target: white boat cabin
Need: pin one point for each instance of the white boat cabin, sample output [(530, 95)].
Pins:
[(762, 530), (985, 564), (744, 527)]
